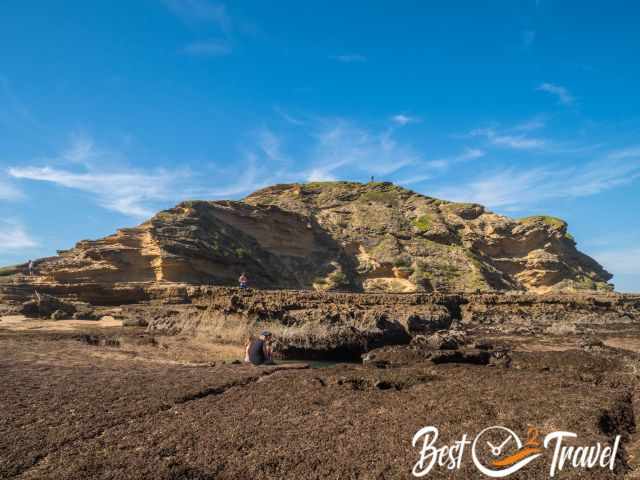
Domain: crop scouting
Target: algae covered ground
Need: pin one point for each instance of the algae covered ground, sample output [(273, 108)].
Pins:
[(114, 403)]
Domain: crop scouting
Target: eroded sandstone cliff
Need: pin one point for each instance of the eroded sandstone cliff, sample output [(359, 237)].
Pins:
[(374, 237)]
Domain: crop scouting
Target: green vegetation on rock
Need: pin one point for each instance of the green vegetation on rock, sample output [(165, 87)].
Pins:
[(242, 253), (327, 184), (401, 262), (11, 270), (422, 223), (335, 279), (387, 250), (338, 278), (584, 283), (554, 222), (378, 196), (420, 276)]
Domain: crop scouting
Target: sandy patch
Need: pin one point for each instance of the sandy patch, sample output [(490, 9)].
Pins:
[(21, 323), (626, 343)]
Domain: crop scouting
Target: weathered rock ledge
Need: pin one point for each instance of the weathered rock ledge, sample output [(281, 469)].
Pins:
[(310, 324)]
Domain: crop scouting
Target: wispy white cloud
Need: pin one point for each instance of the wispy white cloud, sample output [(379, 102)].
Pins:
[(402, 119), (322, 174), (512, 188), (509, 140), (343, 144), (271, 145), (9, 192), (200, 11), (349, 58), (208, 48), (124, 191), (561, 93), (534, 123), (81, 150), (620, 262), (14, 236), (288, 117), (413, 180), (431, 168), (467, 154), (136, 192), (625, 153), (250, 179), (207, 16), (336, 147)]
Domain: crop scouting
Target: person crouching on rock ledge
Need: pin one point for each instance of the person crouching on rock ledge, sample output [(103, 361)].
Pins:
[(258, 350)]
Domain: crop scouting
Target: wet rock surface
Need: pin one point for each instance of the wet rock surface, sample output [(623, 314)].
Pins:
[(155, 402), (340, 326), (77, 407)]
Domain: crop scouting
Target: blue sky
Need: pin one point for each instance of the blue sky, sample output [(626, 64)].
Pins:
[(110, 111)]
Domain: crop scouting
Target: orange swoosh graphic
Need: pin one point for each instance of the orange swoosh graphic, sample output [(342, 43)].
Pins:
[(516, 457)]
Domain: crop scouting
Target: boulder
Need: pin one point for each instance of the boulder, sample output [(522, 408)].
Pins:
[(59, 315), (467, 355), (43, 306), (591, 343), (442, 340), (134, 321)]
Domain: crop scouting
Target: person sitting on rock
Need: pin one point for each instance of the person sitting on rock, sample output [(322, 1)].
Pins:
[(258, 350), (243, 281)]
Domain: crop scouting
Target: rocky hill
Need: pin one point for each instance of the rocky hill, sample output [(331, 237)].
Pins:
[(374, 237)]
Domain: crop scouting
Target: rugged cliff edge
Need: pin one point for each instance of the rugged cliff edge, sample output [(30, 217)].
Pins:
[(374, 237), (331, 325)]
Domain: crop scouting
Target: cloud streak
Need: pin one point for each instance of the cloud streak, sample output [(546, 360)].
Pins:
[(13, 236), (561, 93), (271, 145), (9, 192), (200, 11), (467, 154), (349, 58), (403, 120), (122, 191), (513, 188), (344, 144), (134, 192), (209, 48), (514, 141)]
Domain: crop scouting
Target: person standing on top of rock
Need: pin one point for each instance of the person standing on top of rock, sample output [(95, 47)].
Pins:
[(243, 281), (30, 267), (258, 351)]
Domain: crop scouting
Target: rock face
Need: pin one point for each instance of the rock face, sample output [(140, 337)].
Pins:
[(332, 325), (374, 237), (47, 306), (339, 326)]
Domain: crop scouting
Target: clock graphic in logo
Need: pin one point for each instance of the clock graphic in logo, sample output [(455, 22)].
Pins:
[(498, 451)]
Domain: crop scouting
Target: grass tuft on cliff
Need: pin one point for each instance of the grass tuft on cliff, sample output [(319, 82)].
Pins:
[(554, 222), (422, 223)]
